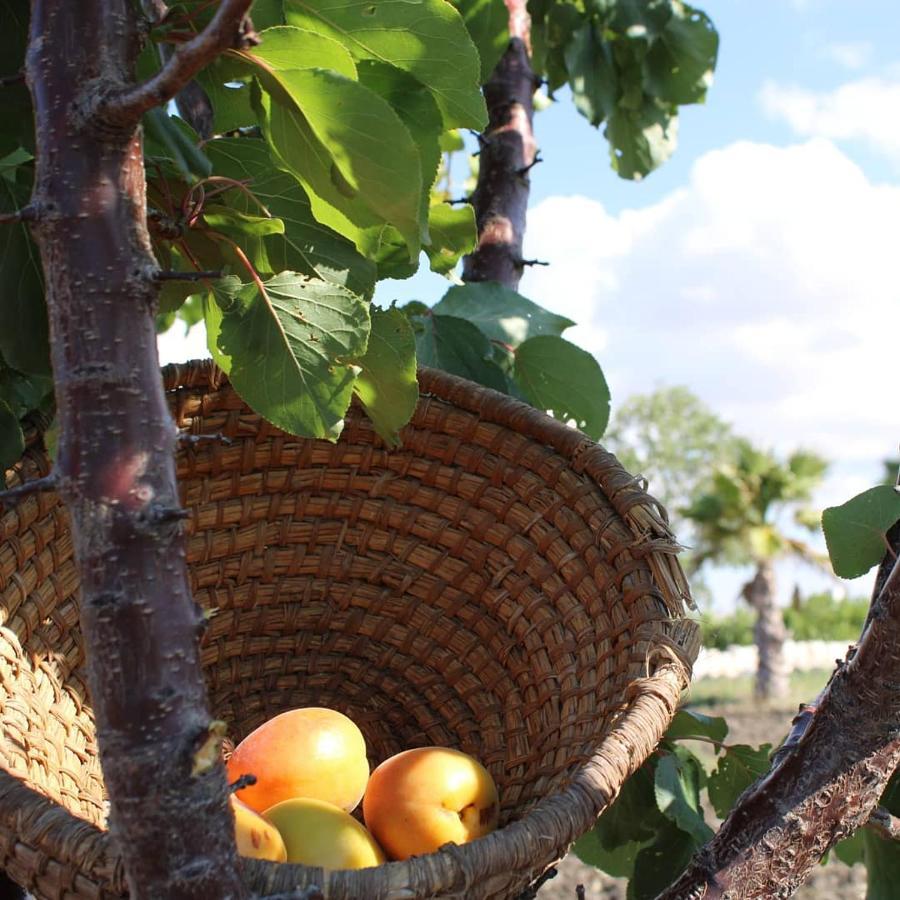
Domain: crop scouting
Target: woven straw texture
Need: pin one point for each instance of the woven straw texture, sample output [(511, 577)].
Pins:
[(498, 584)]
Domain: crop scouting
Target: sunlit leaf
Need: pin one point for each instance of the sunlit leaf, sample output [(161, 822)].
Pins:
[(738, 768), (453, 233), (677, 784), (427, 39), (856, 531), (387, 383)]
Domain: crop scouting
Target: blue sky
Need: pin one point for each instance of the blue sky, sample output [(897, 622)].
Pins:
[(759, 266)]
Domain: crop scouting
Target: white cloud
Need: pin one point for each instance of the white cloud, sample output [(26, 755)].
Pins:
[(849, 55), (862, 110), (768, 285)]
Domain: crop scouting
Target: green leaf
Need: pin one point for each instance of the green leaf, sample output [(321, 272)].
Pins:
[(738, 768), (417, 110), (660, 863), (642, 139), (306, 246), (17, 121), (556, 375), (453, 234), (361, 168), (855, 531), (882, 867), (618, 862), (689, 724), (633, 818), (387, 384), (172, 138), (458, 347), (226, 81), (487, 22), (248, 231), (679, 777), (267, 13), (12, 441), (287, 47), (502, 314), (287, 350), (680, 63), (23, 313), (426, 38), (592, 74), (851, 850)]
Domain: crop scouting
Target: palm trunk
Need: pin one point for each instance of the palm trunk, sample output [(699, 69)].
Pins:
[(769, 634)]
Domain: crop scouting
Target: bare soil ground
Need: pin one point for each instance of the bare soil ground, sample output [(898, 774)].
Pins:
[(833, 881)]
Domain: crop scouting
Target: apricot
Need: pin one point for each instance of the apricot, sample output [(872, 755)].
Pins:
[(421, 799), (312, 752), (255, 836), (321, 834)]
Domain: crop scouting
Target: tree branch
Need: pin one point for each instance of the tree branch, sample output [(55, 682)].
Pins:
[(227, 29), (38, 486), (885, 825), (824, 787)]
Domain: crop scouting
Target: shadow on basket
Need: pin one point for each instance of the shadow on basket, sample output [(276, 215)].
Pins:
[(499, 584)]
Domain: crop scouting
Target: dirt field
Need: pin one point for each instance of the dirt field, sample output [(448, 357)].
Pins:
[(833, 881)]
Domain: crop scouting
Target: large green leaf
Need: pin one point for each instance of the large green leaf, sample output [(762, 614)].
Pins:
[(288, 350), (169, 137), (851, 850), (659, 863), (689, 724), (17, 121), (287, 47), (641, 140), (679, 777), (453, 234), (227, 81), (501, 313), (679, 65), (592, 74), (738, 768), (387, 384), (882, 867), (557, 376), (12, 441), (855, 531), (24, 338), (487, 22), (361, 168), (306, 246), (427, 38), (417, 110), (458, 347)]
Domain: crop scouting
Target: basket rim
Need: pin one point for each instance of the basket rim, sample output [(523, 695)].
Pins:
[(670, 646)]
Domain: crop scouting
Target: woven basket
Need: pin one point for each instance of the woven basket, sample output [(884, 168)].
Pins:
[(500, 584)]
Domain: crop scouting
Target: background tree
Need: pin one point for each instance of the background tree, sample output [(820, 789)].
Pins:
[(738, 521)]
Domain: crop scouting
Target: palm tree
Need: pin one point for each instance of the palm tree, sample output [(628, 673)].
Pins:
[(739, 520)]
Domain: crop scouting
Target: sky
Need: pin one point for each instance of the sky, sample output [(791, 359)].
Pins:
[(759, 265)]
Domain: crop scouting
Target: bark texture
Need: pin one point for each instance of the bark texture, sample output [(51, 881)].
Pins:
[(823, 789), (506, 157), (115, 467), (769, 634)]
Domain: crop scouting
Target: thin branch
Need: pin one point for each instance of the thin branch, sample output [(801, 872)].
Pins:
[(457, 201), (226, 30), (15, 78), (25, 214), (524, 170), (521, 263), (885, 825), (26, 489), (188, 276), (193, 439)]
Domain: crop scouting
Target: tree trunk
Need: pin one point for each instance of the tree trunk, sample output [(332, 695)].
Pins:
[(115, 468), (506, 157), (768, 633), (821, 788)]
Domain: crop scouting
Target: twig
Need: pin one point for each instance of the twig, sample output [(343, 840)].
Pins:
[(884, 824), (524, 170), (241, 782), (25, 214), (458, 201), (225, 30), (192, 439), (531, 262), (15, 78), (26, 489), (531, 892), (188, 276)]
